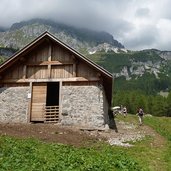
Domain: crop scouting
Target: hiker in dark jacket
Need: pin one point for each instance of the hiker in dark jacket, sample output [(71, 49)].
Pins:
[(140, 114), (125, 111)]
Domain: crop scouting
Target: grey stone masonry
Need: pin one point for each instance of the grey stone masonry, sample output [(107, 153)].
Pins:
[(13, 104), (84, 106)]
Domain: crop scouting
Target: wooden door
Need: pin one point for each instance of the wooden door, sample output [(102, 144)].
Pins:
[(38, 101)]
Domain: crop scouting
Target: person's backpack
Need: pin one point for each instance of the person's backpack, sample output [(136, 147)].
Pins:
[(141, 112)]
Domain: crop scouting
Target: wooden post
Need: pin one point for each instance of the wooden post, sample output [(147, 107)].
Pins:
[(74, 70), (74, 66), (24, 71), (49, 59), (60, 100), (29, 103)]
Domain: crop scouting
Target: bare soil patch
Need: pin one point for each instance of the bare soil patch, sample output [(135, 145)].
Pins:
[(47, 133), (73, 136)]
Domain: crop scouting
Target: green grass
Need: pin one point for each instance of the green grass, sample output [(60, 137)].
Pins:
[(34, 155), (162, 125), (2, 59), (31, 155), (149, 152)]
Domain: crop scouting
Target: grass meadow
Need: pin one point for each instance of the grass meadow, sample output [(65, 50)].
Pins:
[(34, 155)]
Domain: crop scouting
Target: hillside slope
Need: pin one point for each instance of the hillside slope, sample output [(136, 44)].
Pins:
[(147, 70), (79, 38)]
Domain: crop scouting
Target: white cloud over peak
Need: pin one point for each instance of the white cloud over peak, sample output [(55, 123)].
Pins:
[(137, 24)]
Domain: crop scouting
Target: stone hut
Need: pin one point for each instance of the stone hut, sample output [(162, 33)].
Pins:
[(48, 81)]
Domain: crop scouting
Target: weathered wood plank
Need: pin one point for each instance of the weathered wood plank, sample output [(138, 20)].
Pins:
[(73, 79), (74, 70), (49, 71), (29, 105), (24, 71), (38, 101), (49, 60)]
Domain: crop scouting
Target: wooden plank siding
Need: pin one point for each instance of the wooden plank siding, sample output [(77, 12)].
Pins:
[(61, 54), (49, 61), (15, 72), (62, 71), (36, 72), (85, 71), (38, 101)]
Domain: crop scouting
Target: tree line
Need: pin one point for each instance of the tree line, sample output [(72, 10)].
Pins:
[(156, 105)]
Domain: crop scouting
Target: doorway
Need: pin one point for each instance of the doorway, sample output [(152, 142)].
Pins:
[(52, 95), (52, 102)]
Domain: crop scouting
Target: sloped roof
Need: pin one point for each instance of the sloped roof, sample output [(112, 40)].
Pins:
[(10, 60)]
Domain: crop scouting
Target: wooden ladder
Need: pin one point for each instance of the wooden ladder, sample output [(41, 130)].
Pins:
[(51, 114)]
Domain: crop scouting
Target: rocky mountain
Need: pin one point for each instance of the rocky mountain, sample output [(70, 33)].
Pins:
[(79, 38), (148, 70), (6, 52)]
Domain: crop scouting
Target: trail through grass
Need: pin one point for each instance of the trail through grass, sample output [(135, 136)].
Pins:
[(153, 153), (162, 125)]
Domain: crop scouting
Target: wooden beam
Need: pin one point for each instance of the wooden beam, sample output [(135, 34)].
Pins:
[(49, 63), (49, 71), (74, 70), (24, 71), (49, 60), (50, 53), (30, 104), (60, 100), (74, 66), (73, 79)]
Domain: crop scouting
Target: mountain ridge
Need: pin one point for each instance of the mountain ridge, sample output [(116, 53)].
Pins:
[(130, 69), (19, 34)]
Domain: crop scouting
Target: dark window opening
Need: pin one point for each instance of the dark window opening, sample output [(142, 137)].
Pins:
[(52, 98)]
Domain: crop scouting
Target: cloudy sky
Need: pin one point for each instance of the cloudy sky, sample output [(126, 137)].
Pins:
[(137, 24)]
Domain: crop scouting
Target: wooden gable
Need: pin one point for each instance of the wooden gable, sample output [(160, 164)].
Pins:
[(48, 59)]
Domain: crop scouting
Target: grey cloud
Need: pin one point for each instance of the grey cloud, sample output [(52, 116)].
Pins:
[(142, 12), (118, 17), (163, 46), (74, 11), (146, 38)]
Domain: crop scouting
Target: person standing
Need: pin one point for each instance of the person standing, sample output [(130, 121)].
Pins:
[(124, 111), (140, 115)]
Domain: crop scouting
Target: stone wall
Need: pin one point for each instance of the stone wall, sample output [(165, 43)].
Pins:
[(13, 104), (84, 106)]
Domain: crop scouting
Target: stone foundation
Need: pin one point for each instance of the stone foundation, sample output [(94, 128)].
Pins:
[(84, 106), (13, 104)]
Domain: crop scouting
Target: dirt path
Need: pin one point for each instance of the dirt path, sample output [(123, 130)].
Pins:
[(133, 132), (46, 132), (72, 136)]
